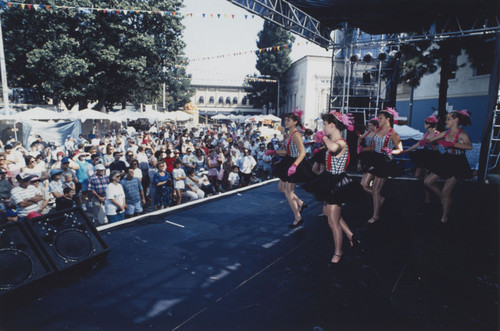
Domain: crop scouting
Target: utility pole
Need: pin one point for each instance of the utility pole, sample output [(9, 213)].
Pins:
[(3, 72)]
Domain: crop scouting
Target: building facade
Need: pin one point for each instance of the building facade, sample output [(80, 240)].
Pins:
[(307, 87), (213, 99)]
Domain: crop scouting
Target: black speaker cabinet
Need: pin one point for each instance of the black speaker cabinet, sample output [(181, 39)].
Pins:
[(21, 261), (67, 237)]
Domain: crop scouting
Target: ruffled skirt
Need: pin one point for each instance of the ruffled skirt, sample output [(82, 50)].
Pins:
[(333, 189), (424, 158), (450, 165), (383, 166), (303, 174), (364, 160)]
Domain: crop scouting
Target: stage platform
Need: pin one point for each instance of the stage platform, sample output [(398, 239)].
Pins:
[(232, 264)]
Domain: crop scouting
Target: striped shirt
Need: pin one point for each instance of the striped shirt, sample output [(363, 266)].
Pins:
[(132, 188), (19, 194)]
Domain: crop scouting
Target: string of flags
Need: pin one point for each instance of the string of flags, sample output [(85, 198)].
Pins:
[(122, 11)]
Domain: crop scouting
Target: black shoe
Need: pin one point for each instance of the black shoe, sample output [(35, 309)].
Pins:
[(294, 225), (333, 265), (304, 206), (355, 242)]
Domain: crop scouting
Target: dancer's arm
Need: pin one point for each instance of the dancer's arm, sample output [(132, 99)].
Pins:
[(333, 146), (463, 142), (297, 139), (397, 142), (436, 137)]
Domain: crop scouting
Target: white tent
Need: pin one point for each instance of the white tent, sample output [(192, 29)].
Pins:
[(406, 132), (271, 118), (39, 113), (179, 116), (89, 114), (124, 115), (219, 117), (256, 118)]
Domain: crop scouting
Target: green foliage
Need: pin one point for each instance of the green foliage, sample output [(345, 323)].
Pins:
[(86, 56), (270, 63)]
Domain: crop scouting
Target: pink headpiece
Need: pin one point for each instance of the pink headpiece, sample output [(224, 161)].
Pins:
[(463, 112), (346, 119), (431, 119), (298, 112), (373, 119), (392, 111)]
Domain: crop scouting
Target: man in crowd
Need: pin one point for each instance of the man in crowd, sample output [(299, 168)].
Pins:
[(25, 196), (97, 188), (134, 193)]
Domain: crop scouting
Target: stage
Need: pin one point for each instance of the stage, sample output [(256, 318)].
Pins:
[(232, 263)]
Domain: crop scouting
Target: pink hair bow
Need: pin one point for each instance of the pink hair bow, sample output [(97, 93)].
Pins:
[(392, 111), (463, 112), (432, 119), (298, 112), (347, 119)]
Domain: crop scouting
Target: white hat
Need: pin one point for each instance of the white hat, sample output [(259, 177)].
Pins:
[(100, 166)]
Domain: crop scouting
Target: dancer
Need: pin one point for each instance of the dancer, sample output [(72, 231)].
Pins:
[(291, 169), (333, 186), (424, 154), (386, 143), (453, 164), (364, 153)]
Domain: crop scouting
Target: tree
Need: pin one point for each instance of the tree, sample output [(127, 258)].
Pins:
[(85, 56), (271, 63)]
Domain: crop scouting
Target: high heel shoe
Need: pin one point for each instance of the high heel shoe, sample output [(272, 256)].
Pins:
[(355, 242), (294, 225), (304, 206), (332, 264), (373, 220)]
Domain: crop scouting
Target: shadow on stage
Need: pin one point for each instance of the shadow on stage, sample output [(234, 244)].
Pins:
[(232, 263)]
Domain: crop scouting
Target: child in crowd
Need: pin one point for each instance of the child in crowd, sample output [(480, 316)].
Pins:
[(66, 201), (179, 177), (234, 178)]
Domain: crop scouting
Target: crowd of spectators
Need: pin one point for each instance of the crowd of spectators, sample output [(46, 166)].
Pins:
[(116, 175)]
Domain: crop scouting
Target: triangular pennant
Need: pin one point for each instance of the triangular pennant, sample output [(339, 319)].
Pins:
[(218, 15), (117, 12), (104, 11), (173, 13), (9, 4), (22, 6), (47, 7)]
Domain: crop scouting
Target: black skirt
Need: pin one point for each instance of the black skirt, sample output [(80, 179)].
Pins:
[(303, 174), (450, 165), (333, 189), (383, 166), (365, 160), (424, 158)]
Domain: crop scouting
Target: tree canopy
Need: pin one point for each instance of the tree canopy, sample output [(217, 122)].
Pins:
[(272, 64), (81, 56)]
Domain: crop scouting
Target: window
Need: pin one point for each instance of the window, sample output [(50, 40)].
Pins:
[(228, 101), (221, 100), (244, 101), (201, 100), (211, 101), (235, 101)]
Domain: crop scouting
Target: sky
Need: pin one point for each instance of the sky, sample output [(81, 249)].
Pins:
[(207, 36)]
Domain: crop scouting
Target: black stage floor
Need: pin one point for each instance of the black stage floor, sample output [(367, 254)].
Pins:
[(234, 265)]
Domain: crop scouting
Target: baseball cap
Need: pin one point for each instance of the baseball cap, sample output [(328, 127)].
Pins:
[(23, 177), (60, 153), (33, 214), (65, 160), (10, 213), (100, 166), (54, 172)]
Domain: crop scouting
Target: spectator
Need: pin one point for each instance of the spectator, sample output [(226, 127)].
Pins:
[(115, 204), (25, 196), (193, 186), (108, 158), (97, 187), (213, 166), (151, 172), (189, 160), (56, 185), (234, 179), (42, 204), (134, 194), (205, 186), (67, 201), (179, 177), (163, 187), (5, 190), (117, 164), (246, 164), (199, 159), (134, 164), (169, 161)]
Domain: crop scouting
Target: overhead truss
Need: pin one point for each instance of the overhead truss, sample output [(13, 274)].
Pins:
[(297, 21), (287, 16)]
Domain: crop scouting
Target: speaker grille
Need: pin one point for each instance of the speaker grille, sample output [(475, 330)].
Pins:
[(15, 268), (73, 245)]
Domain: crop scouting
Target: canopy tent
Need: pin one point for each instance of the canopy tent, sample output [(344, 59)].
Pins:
[(219, 117), (405, 132), (177, 116), (39, 113), (89, 114), (271, 118)]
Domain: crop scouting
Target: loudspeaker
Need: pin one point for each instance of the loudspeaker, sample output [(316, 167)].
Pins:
[(21, 262), (67, 237)]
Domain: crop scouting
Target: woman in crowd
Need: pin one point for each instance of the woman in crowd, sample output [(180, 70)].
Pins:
[(163, 187), (108, 157), (213, 167), (364, 153), (424, 154), (115, 198), (291, 169), (199, 159), (333, 186), (386, 143), (452, 165)]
